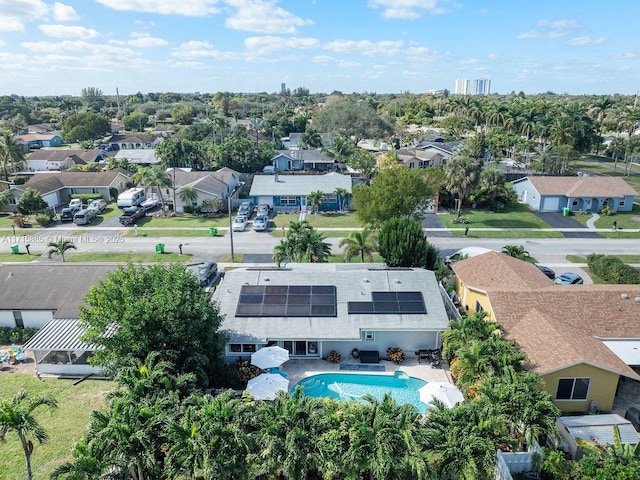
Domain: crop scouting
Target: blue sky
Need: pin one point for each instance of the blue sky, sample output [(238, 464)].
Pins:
[(59, 47)]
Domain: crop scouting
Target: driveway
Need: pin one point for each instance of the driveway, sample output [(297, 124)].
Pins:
[(435, 226), (559, 221)]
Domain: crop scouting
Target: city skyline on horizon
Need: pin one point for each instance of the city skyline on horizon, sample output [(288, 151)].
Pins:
[(50, 47)]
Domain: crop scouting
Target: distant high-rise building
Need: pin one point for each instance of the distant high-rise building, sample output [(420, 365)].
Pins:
[(482, 86), (283, 87), (462, 86)]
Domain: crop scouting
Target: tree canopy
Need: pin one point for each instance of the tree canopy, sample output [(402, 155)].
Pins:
[(85, 126), (31, 202), (402, 243), (353, 120), (396, 192), (156, 308)]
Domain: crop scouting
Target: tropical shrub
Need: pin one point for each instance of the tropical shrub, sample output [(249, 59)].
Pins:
[(607, 211), (43, 219), (396, 355)]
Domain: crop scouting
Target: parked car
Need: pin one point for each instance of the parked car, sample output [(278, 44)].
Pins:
[(569, 278), (131, 215), (546, 270), (263, 210), (152, 201), (239, 223), (245, 209), (466, 252), (84, 216), (66, 215), (261, 223), (633, 415), (204, 271), (98, 205), (76, 204)]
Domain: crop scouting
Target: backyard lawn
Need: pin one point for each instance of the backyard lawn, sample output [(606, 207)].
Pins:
[(65, 426), (516, 216)]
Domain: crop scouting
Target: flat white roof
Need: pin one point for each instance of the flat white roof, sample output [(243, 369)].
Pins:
[(627, 350), (600, 427)]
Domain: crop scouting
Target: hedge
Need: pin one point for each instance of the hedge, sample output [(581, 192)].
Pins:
[(612, 269), (85, 197), (10, 335)]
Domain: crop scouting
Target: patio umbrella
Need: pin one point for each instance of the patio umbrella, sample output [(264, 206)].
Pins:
[(269, 357), (266, 385), (445, 392)]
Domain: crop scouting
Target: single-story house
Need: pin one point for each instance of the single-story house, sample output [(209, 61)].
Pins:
[(47, 297), (208, 185), (571, 334), (41, 140), (123, 142), (595, 429), (439, 152), (419, 158), (56, 188), (162, 130), (291, 160), (288, 193), (62, 159), (143, 157), (589, 194), (312, 309)]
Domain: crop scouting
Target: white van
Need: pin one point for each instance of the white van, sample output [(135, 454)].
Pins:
[(466, 252), (131, 198)]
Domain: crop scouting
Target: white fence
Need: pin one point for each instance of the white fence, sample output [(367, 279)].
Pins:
[(449, 306), (518, 462)]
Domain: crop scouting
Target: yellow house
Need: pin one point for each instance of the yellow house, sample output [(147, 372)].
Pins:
[(580, 339)]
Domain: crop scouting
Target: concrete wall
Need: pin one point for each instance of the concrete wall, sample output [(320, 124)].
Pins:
[(30, 318), (602, 389), (409, 342)]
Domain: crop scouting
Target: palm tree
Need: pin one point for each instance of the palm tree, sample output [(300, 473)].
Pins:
[(516, 251), (462, 174), (11, 152), (84, 466), (59, 247), (315, 199), (18, 417), (5, 196), (158, 177), (303, 243), (545, 154), (341, 150), (362, 243), (343, 196), (188, 195), (257, 125)]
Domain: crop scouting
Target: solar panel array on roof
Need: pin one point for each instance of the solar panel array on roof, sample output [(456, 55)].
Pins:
[(287, 301), (401, 303)]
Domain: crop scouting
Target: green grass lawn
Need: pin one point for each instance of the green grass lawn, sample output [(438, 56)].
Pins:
[(183, 221), (168, 257), (474, 233), (21, 257), (65, 425), (625, 220), (516, 216), (338, 258), (150, 232), (320, 220), (624, 258)]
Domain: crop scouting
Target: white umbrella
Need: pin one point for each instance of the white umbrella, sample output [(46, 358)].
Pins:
[(445, 392), (269, 357), (266, 385)]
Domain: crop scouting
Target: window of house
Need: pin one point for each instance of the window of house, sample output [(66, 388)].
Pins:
[(287, 200), (17, 317), (330, 198), (575, 203), (621, 203), (479, 307), (242, 347), (573, 388), (369, 336)]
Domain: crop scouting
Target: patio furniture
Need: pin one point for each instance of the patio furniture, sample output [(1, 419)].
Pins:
[(269, 357), (369, 356), (266, 386), (444, 392)]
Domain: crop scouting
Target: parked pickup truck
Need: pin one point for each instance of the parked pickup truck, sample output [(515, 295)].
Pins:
[(131, 215)]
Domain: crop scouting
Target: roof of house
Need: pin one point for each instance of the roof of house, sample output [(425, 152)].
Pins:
[(309, 156), (298, 184), (61, 334), (600, 428), (581, 186), (213, 182), (60, 288), (137, 138), (45, 182), (31, 137), (353, 283), (447, 147), (139, 155), (499, 272), (557, 326), (60, 155)]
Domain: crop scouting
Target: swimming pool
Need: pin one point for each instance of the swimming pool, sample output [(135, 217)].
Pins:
[(349, 386)]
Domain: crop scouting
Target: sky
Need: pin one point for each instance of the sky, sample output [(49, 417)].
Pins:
[(382, 46)]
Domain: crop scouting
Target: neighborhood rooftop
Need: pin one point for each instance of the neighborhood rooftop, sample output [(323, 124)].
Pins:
[(264, 185), (582, 186)]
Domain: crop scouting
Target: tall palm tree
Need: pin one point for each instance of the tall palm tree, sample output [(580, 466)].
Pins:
[(343, 196), (315, 199), (545, 154), (303, 243), (188, 194), (158, 177), (256, 125), (84, 465), (462, 174), (60, 247), (516, 251), (17, 417), (362, 243), (11, 152)]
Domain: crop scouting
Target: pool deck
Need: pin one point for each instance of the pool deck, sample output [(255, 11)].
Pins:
[(297, 369)]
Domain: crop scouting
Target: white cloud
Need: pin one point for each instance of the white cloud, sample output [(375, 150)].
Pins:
[(407, 9), (566, 23), (145, 40), (585, 41), (16, 12), (79, 46), (189, 8), (268, 44), (530, 34), (551, 29), (197, 49), (345, 64), (64, 13), (68, 31), (492, 56), (366, 47), (323, 59), (263, 16)]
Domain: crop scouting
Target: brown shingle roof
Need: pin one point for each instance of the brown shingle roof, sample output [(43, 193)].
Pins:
[(48, 182), (59, 155), (582, 186)]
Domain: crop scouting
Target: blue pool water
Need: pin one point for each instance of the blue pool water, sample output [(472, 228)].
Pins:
[(349, 386)]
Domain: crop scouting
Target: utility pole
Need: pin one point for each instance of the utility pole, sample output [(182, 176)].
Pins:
[(118, 101)]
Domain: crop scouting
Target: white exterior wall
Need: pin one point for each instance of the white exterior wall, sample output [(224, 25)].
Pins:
[(409, 342), (30, 318), (527, 194), (52, 199), (201, 197)]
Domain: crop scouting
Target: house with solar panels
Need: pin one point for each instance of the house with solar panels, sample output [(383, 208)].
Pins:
[(312, 309)]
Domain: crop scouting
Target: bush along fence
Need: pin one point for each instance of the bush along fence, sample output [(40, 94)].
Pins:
[(612, 269)]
